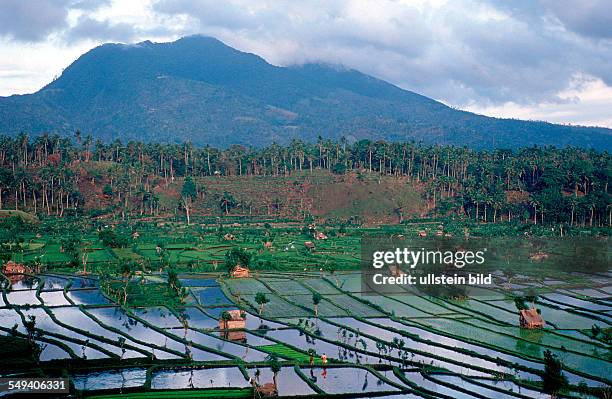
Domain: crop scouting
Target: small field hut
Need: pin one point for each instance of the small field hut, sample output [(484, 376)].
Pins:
[(11, 267), (233, 320), (530, 318), (240, 272), (267, 390)]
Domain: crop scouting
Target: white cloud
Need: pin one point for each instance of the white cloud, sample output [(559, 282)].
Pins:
[(587, 103), (513, 59)]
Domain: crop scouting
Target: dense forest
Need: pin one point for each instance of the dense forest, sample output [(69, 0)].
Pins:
[(533, 185)]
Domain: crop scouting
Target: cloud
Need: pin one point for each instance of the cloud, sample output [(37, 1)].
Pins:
[(34, 20), (484, 54), (459, 51), (89, 28), (587, 18)]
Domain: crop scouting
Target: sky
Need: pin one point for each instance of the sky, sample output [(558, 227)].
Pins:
[(528, 59)]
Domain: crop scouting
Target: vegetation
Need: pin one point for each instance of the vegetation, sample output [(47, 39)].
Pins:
[(261, 299), (237, 256), (565, 188), (316, 299), (134, 240), (553, 377), (208, 92)]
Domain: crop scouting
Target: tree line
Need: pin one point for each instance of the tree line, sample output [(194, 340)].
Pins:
[(540, 185)]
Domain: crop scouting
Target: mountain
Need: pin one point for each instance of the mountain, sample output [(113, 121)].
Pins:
[(199, 89)]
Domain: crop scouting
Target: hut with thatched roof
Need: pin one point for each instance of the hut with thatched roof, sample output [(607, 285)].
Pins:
[(240, 272), (11, 267), (15, 271), (319, 235), (530, 318), (233, 320), (267, 390), (396, 271)]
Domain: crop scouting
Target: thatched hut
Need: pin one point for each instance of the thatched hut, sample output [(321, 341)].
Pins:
[(319, 235), (240, 272), (267, 390), (396, 271), (11, 267), (233, 319), (530, 318), (15, 271), (538, 256)]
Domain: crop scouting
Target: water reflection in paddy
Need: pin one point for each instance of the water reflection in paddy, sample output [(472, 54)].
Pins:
[(470, 387), (111, 379), (52, 282), (72, 316), (198, 319), (54, 298), (45, 323), (512, 387), (83, 282), (21, 298), (116, 317), (87, 297), (9, 317), (198, 282), (335, 380), (158, 316), (210, 296), (426, 335), (26, 283), (243, 352), (51, 352), (288, 382), (199, 378)]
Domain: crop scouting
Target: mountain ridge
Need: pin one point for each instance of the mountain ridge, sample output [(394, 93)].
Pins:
[(199, 89)]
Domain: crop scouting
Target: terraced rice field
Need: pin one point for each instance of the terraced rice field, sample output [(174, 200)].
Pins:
[(395, 346)]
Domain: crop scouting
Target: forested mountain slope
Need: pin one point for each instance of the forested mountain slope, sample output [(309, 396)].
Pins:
[(201, 90)]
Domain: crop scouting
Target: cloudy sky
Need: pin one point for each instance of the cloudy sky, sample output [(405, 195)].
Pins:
[(530, 59)]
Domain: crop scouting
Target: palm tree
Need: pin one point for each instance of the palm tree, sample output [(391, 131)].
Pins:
[(127, 271), (188, 194), (261, 300), (225, 317), (275, 367), (316, 299)]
